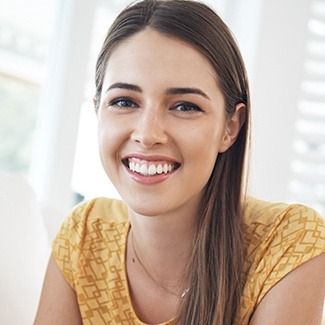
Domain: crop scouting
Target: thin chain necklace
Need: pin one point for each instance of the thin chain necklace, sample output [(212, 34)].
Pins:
[(182, 295)]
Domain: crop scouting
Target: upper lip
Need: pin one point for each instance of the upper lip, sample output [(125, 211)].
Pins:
[(150, 157)]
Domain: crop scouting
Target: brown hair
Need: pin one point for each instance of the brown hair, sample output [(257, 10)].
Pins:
[(216, 272)]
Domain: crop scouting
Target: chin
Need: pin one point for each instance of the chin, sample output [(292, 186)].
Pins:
[(146, 207), (146, 210)]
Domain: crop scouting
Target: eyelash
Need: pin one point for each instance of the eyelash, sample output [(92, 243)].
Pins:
[(118, 103), (190, 108), (125, 103)]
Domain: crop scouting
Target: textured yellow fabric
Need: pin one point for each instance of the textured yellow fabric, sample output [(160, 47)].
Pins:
[(90, 251)]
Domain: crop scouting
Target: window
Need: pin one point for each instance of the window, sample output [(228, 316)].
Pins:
[(307, 181), (25, 31)]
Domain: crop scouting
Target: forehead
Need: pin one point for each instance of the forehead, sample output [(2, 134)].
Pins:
[(158, 56)]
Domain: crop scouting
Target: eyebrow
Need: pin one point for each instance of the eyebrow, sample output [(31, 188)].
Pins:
[(122, 85), (184, 91), (169, 91)]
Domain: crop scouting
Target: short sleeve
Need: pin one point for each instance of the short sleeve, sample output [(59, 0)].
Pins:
[(67, 245), (293, 238)]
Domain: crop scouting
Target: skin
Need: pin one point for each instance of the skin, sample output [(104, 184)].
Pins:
[(150, 120), (58, 303)]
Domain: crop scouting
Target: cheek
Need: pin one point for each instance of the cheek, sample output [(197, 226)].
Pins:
[(203, 144), (109, 138)]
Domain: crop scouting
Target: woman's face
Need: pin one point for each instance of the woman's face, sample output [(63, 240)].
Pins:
[(162, 123)]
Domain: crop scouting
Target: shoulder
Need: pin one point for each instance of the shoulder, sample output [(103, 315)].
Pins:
[(108, 210), (264, 219), (92, 228), (90, 218), (280, 229), (96, 211), (279, 237)]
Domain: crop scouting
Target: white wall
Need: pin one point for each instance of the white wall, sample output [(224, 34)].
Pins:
[(276, 77)]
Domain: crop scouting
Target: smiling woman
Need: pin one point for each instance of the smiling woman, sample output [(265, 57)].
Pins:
[(167, 108), (187, 246)]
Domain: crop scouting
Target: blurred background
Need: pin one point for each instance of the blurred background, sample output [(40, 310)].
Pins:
[(48, 137)]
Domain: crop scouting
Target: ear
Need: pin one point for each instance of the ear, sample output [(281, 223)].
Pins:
[(233, 126)]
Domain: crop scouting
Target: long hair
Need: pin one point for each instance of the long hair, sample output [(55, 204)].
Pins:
[(216, 266)]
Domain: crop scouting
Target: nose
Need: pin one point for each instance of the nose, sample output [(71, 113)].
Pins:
[(149, 129)]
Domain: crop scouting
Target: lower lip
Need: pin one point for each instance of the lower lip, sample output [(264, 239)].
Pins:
[(149, 180)]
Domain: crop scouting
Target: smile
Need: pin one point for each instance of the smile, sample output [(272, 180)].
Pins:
[(150, 168)]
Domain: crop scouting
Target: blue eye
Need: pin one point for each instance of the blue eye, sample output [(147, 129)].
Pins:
[(186, 108), (123, 103)]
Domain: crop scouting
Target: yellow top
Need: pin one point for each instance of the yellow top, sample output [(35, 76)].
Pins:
[(90, 251)]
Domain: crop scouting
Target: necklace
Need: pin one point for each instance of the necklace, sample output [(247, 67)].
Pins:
[(182, 295)]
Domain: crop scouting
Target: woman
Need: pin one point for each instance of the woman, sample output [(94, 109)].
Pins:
[(187, 246)]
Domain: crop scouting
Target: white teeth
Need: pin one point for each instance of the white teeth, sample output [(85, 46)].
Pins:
[(146, 169), (152, 170), (159, 169)]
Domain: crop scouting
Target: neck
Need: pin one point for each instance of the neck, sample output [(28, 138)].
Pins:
[(164, 244)]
